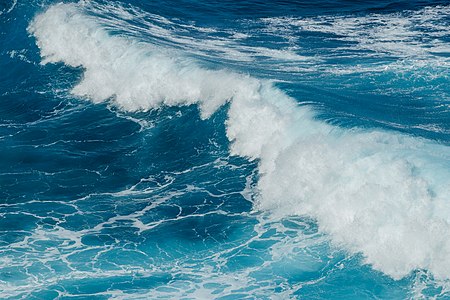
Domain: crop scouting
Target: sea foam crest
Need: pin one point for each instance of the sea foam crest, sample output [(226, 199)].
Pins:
[(379, 194), (138, 76)]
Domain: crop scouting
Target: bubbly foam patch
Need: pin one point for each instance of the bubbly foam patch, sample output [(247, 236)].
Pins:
[(379, 194), (137, 76)]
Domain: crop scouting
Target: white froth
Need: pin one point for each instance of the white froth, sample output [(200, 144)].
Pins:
[(379, 194), (10, 9), (411, 36), (206, 41), (136, 76)]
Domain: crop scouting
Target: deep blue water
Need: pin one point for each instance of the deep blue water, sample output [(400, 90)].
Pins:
[(224, 149)]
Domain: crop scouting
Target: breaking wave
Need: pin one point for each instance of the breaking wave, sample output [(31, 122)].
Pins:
[(381, 194)]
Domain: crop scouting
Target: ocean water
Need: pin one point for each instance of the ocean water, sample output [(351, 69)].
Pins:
[(224, 149)]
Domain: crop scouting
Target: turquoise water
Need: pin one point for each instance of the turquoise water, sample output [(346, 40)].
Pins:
[(224, 150)]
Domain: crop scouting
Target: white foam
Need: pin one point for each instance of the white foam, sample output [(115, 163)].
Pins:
[(412, 36), (10, 9), (188, 36), (379, 194)]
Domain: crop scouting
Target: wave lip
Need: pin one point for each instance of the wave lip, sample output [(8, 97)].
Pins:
[(380, 194)]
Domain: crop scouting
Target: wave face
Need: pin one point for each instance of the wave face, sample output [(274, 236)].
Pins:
[(293, 151)]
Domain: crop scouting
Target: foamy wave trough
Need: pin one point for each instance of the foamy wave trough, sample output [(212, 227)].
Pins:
[(379, 194)]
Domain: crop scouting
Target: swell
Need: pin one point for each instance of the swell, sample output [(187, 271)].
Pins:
[(380, 194)]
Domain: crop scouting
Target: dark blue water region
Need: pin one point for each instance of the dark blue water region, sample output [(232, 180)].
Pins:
[(212, 12)]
